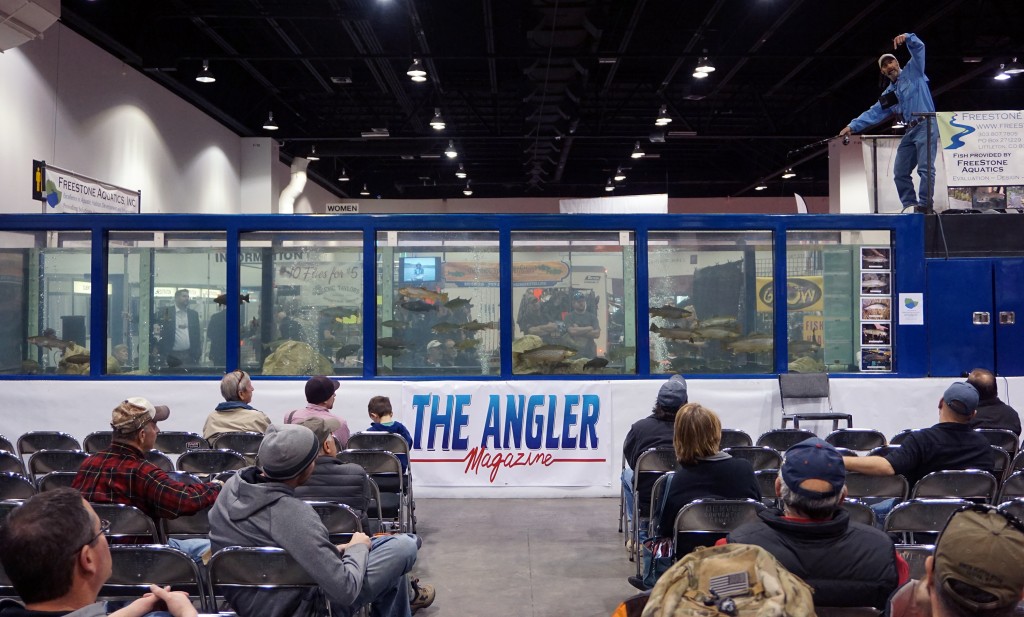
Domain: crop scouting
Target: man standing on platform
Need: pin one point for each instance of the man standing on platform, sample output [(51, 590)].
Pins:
[(907, 95)]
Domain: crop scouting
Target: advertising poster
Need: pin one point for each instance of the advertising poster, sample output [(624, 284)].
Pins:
[(982, 148)]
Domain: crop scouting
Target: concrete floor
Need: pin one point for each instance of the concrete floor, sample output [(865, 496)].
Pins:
[(522, 557)]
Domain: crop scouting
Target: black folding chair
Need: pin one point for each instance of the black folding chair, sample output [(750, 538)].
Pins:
[(33, 441), (782, 439), (732, 437), (809, 386), (859, 439), (760, 457), (705, 521), (135, 567), (210, 461)]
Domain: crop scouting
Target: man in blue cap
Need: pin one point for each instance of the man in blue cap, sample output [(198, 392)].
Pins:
[(847, 563), (950, 444)]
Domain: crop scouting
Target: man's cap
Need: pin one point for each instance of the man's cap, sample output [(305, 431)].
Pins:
[(433, 344), (320, 388), (133, 413), (961, 397), (813, 459), (322, 427), (882, 58), (673, 393), (984, 551), (287, 450)]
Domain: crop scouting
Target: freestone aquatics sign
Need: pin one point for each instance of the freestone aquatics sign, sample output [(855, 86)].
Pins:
[(66, 192)]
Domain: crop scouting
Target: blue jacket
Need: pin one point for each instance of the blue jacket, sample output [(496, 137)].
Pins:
[(911, 88)]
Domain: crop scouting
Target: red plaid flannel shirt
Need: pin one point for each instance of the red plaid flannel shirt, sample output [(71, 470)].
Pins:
[(120, 474)]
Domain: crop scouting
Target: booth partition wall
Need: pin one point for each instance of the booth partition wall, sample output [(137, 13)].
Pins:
[(484, 297)]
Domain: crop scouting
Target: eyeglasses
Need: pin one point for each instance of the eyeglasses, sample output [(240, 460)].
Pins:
[(104, 530)]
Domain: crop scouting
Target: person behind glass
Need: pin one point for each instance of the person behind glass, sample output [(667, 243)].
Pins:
[(582, 327), (54, 551), (906, 95), (235, 413), (180, 341), (655, 431), (216, 334), (288, 328), (321, 392), (435, 355), (534, 316)]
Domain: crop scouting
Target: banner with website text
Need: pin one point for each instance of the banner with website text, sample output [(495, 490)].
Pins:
[(982, 148), (542, 433)]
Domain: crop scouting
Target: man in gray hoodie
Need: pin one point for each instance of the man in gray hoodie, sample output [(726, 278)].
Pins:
[(258, 507)]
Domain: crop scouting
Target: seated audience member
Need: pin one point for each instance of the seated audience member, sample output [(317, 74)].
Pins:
[(383, 419), (121, 473), (321, 393), (975, 571), (235, 413), (654, 431), (259, 508), (333, 480), (54, 550), (847, 564), (704, 471), (950, 444), (992, 412)]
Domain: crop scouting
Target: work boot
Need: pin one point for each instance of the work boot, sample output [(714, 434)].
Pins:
[(422, 595)]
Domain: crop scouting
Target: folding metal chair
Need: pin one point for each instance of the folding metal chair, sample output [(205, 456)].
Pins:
[(340, 520), (55, 479), (782, 439), (238, 567), (704, 521), (863, 486), (1018, 463), (386, 470), (128, 523), (135, 567), (650, 465), (732, 437), (883, 450), (11, 463), (1013, 487), (653, 522), (179, 442), (915, 556), (389, 442), (96, 441), (6, 506), (1007, 440), (1014, 507), (210, 461), (15, 486), (1001, 463), (245, 442), (760, 457), (898, 438), (33, 441), (44, 461), (766, 482), (921, 516), (859, 512), (808, 386), (971, 484), (859, 439), (160, 459), (6, 445), (187, 527)]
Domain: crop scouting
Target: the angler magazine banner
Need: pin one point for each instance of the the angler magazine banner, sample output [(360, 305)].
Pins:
[(542, 433)]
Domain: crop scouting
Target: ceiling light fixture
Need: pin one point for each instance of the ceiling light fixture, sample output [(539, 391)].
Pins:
[(365, 191), (663, 117), (312, 154), (344, 176), (205, 76), (1002, 75), (416, 72), (450, 151), (761, 187), (609, 187), (699, 75), (788, 173), (461, 172), (437, 122), (1013, 68), (467, 191), (619, 175), (704, 64), (270, 125), (637, 152)]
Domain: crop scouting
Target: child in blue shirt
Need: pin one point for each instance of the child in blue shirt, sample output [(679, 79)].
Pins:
[(382, 419)]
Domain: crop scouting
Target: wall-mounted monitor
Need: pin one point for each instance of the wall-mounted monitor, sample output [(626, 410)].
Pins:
[(418, 269)]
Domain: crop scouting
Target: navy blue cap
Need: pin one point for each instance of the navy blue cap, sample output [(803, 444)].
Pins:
[(813, 459), (961, 397)]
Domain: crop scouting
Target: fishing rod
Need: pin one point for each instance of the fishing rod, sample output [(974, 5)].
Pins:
[(820, 142)]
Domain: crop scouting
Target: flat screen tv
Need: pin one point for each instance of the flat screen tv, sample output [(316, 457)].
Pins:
[(416, 270)]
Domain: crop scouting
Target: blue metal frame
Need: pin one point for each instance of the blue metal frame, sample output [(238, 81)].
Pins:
[(909, 342)]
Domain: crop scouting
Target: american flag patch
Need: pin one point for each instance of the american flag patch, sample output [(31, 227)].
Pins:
[(728, 585)]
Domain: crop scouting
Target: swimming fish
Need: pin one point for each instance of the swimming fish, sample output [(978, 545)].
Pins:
[(716, 334), (475, 326), (755, 343), (596, 363), (396, 324), (422, 293), (444, 326), (548, 354), (223, 299), (465, 344), (679, 334), (49, 342), (670, 312), (338, 312), (719, 322), (346, 350), (390, 342), (456, 304), (417, 306)]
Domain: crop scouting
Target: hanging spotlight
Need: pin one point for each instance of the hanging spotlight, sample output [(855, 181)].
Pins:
[(619, 175), (609, 187), (461, 172), (344, 176), (312, 154), (699, 75), (788, 173), (365, 191), (416, 72), (450, 151), (663, 117), (637, 152), (270, 125), (704, 64), (205, 76), (437, 123), (761, 187), (467, 191), (1013, 68), (1002, 75)]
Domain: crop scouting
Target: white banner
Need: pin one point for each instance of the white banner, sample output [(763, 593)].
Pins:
[(982, 148), (543, 433), (625, 204), (69, 193)]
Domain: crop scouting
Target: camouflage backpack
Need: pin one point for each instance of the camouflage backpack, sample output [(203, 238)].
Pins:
[(733, 579)]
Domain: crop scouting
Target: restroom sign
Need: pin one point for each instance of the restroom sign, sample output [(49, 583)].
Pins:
[(342, 208)]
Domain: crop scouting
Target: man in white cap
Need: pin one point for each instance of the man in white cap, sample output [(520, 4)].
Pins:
[(121, 473), (906, 96), (259, 508)]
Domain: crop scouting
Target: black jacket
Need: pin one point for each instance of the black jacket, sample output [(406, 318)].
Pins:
[(993, 413), (339, 482)]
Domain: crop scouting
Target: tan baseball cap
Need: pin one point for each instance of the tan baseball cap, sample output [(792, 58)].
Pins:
[(133, 413), (978, 559)]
